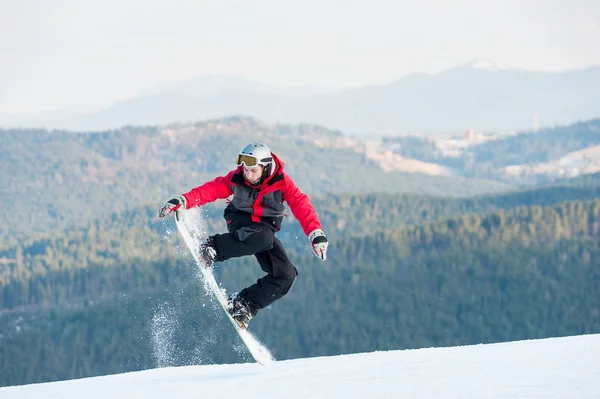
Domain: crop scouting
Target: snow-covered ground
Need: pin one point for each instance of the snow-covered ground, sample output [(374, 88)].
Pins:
[(566, 367)]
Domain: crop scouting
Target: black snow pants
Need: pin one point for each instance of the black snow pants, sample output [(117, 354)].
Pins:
[(259, 240)]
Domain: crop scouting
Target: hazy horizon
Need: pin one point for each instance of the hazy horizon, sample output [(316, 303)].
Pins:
[(92, 54)]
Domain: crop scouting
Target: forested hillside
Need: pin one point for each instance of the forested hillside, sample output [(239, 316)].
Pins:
[(138, 237), (56, 180), (489, 158), (59, 180), (119, 299), (92, 282)]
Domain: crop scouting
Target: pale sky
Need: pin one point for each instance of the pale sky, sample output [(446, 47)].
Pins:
[(60, 53)]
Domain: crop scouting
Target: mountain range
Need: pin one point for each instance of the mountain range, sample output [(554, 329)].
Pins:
[(92, 282), (68, 176), (478, 95)]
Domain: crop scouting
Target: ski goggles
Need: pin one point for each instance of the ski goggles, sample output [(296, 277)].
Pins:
[(251, 161)]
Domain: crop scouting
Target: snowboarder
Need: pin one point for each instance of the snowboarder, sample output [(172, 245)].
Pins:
[(259, 187)]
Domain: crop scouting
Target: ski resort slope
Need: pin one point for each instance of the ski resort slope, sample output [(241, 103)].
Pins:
[(566, 367)]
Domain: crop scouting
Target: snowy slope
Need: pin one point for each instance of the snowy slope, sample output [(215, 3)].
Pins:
[(551, 368)]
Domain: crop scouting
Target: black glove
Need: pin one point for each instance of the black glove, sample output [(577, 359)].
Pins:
[(176, 204)]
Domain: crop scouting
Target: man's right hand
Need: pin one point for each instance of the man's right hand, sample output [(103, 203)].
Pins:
[(176, 204)]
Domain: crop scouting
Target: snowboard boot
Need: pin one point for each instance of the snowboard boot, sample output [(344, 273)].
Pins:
[(239, 309), (208, 253)]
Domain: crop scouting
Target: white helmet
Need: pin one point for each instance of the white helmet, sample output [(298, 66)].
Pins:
[(255, 154)]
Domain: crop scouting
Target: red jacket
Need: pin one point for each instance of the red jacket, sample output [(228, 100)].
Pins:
[(262, 203)]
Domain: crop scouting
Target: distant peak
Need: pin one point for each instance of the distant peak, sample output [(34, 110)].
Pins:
[(487, 65)]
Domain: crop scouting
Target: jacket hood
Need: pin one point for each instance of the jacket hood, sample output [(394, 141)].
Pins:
[(278, 164)]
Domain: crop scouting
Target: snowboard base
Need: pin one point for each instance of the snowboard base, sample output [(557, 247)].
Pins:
[(256, 349)]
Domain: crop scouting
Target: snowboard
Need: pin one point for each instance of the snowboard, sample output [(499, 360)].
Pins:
[(256, 349)]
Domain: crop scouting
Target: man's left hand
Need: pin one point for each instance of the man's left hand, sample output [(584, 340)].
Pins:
[(319, 243)]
